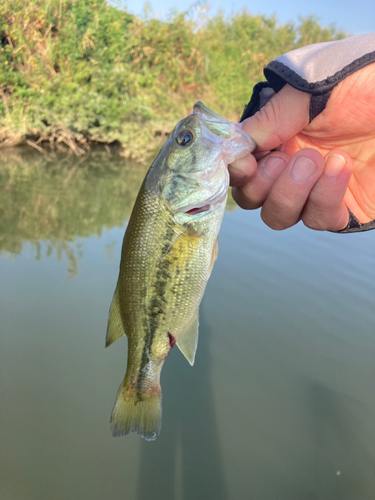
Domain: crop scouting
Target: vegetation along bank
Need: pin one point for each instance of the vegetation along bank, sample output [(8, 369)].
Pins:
[(81, 72)]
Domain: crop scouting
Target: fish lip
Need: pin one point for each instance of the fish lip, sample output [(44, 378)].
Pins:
[(206, 114)]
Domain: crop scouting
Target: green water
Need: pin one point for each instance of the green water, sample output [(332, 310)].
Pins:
[(280, 403)]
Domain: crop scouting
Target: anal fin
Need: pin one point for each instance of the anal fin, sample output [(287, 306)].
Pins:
[(115, 328), (188, 341)]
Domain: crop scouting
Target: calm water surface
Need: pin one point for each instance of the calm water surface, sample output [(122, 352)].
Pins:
[(280, 403)]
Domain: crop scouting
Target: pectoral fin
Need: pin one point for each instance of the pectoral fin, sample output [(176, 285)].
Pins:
[(215, 252), (188, 239), (115, 328), (188, 341)]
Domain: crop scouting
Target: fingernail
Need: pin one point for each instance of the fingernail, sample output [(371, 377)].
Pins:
[(303, 169), (236, 175), (273, 166), (334, 165)]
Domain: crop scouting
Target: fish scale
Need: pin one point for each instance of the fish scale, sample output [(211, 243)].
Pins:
[(168, 252)]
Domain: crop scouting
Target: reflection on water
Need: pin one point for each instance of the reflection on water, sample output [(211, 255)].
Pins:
[(280, 403), (187, 462), (56, 199)]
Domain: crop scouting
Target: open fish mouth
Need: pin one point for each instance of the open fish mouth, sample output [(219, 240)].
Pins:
[(198, 210), (207, 204)]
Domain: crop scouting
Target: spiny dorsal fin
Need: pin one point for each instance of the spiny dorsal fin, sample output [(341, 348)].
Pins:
[(188, 341), (115, 328)]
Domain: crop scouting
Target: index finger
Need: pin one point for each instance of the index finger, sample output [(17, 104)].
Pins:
[(282, 117)]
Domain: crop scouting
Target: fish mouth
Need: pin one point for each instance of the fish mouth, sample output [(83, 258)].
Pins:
[(218, 127), (228, 134), (198, 210), (205, 205)]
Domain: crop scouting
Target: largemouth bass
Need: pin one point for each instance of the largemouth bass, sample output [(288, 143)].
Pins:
[(169, 248)]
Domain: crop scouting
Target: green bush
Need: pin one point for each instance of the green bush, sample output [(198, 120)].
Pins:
[(81, 71)]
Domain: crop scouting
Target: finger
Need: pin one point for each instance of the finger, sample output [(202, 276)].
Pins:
[(325, 209), (253, 194), (242, 170), (282, 117), (287, 197)]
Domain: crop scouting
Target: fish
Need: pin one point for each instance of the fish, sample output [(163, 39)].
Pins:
[(168, 252)]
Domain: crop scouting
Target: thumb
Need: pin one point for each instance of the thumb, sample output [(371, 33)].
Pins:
[(282, 117)]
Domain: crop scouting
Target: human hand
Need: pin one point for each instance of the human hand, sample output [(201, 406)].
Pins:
[(317, 169)]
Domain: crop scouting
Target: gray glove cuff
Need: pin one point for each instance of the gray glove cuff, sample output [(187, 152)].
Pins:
[(354, 226), (314, 69)]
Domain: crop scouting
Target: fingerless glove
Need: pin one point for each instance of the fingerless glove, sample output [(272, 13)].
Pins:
[(316, 69)]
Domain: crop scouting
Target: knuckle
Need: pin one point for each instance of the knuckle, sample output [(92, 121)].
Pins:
[(331, 220), (251, 195), (280, 212), (244, 200), (317, 213), (284, 204), (315, 217), (275, 223), (318, 200), (313, 223), (268, 115)]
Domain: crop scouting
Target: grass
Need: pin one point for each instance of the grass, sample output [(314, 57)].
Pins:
[(81, 72)]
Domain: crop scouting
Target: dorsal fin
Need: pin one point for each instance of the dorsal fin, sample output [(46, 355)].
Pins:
[(115, 328), (188, 341)]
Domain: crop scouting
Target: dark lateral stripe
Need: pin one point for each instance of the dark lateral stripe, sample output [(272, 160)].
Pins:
[(156, 308)]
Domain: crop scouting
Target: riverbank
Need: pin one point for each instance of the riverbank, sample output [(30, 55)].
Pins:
[(75, 73)]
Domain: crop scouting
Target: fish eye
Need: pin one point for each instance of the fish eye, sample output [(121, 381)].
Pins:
[(184, 138)]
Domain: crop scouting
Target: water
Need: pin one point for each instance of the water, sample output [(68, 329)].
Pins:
[(280, 403)]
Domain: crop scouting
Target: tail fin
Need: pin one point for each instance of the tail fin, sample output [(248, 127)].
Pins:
[(137, 411)]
